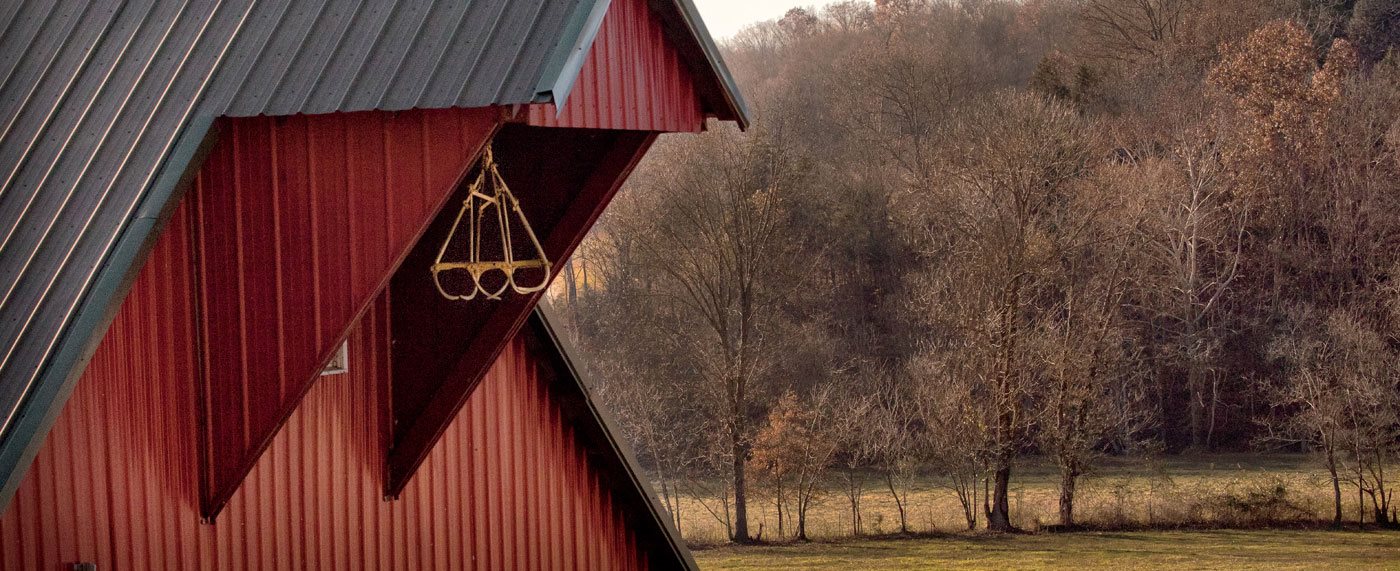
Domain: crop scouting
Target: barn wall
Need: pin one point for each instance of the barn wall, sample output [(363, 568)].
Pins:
[(633, 78), (508, 486), (301, 221)]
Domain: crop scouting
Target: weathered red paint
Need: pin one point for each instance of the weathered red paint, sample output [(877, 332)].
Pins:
[(301, 221), (633, 78), (509, 484)]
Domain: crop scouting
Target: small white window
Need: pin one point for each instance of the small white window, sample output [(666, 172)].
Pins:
[(340, 362)]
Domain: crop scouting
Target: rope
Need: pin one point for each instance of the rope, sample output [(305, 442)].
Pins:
[(481, 202)]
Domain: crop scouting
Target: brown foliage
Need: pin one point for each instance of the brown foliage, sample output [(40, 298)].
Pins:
[(1059, 227)]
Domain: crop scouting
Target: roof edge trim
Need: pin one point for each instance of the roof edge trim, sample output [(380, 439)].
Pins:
[(557, 81), (543, 317), (690, 16), (99, 306)]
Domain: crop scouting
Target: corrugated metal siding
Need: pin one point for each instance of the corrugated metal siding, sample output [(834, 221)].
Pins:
[(633, 78), (301, 222), (509, 486), (94, 95)]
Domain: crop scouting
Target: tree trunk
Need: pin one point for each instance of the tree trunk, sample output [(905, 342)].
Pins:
[(999, 518), (971, 510), (1360, 501), (1380, 498), (898, 503), (986, 498), (1336, 490), (779, 501), (741, 503), (740, 450), (671, 506), (1068, 477), (966, 490), (854, 488), (1197, 407), (803, 501)]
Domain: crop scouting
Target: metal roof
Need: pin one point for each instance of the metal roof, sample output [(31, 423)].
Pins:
[(105, 104)]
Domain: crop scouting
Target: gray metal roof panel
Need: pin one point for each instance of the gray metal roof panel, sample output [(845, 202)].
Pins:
[(541, 42), (368, 25), (296, 25), (426, 54), (25, 53), (235, 66), (345, 55), (467, 45), (372, 80), (72, 137), (320, 47), (504, 47), (79, 206), (8, 11), (40, 87)]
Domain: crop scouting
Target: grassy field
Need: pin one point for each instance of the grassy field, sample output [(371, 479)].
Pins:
[(1254, 549), (1171, 490)]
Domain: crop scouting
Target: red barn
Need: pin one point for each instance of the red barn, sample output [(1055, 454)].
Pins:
[(225, 341)]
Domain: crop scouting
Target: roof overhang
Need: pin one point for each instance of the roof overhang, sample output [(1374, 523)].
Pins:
[(721, 93)]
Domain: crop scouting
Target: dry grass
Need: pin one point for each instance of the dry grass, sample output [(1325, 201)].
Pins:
[(1252, 549), (1174, 491)]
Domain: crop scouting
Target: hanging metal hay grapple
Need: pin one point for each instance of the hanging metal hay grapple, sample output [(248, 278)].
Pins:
[(489, 202)]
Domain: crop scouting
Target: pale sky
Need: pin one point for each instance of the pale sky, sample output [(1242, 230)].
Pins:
[(725, 17)]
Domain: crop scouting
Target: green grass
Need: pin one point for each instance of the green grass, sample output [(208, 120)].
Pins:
[(1253, 549)]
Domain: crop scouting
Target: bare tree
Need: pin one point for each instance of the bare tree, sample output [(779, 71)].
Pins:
[(1091, 391), (896, 453), (1135, 30), (1193, 240), (726, 256), (854, 446), (996, 221), (1340, 396), (642, 408), (948, 389)]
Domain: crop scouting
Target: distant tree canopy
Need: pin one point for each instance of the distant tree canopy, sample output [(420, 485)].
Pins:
[(992, 228)]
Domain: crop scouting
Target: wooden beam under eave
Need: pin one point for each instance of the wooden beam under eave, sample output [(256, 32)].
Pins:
[(442, 349)]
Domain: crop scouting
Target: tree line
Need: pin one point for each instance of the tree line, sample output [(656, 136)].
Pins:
[(964, 232)]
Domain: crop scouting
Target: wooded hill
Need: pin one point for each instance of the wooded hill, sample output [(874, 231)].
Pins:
[(963, 232)]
